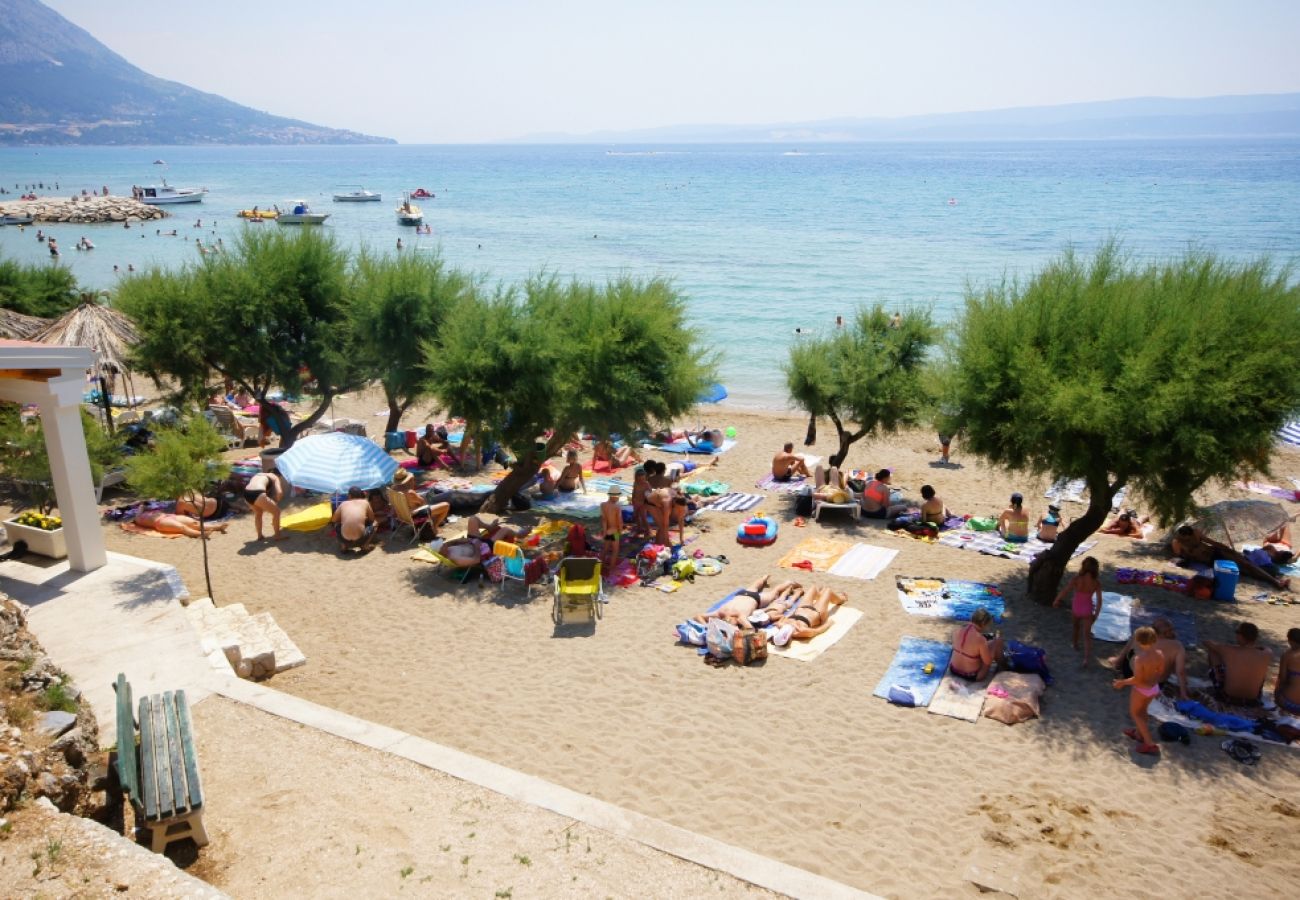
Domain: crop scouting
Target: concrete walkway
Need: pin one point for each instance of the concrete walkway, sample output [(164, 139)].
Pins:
[(126, 617)]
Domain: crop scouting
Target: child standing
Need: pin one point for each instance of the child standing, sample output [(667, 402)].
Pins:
[(611, 521), (1148, 666), (1085, 604)]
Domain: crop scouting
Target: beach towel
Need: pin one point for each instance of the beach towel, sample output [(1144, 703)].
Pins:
[(949, 599), (1114, 623), (863, 561), (958, 698), (992, 544), (574, 504), (312, 518), (1270, 490), (1166, 710), (790, 486), (815, 554), (735, 502), (842, 618), (1184, 622), (685, 447), (1065, 490), (1013, 697), (906, 677), (1290, 433), (705, 488)]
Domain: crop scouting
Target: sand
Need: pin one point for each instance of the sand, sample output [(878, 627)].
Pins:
[(790, 758)]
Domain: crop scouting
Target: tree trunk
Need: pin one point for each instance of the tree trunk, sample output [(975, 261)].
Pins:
[(203, 540), (525, 468), (395, 412), (326, 399), (1046, 572), (838, 457)]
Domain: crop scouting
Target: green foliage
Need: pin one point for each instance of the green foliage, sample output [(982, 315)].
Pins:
[(56, 698), (1163, 375), (398, 307), (869, 373), (26, 460), (184, 461), (260, 314), (37, 290)]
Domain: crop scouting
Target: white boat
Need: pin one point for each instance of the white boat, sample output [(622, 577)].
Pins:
[(300, 213), (408, 213), (359, 195), (163, 194)]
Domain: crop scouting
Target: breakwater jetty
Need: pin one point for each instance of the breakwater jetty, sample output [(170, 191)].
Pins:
[(84, 210)]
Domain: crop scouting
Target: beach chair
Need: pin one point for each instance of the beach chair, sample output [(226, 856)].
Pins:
[(403, 516), (579, 593), (853, 506), (231, 424), (512, 555), (449, 567)]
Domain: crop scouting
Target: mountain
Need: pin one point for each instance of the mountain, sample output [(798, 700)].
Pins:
[(61, 86), (1252, 115)]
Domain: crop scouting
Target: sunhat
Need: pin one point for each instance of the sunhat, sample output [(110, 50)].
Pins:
[(615, 490)]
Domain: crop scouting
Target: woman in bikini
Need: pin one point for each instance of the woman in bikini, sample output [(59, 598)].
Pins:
[(170, 523), (567, 479), (746, 601), (811, 618), (213, 507), (263, 493), (974, 652), (1287, 690)]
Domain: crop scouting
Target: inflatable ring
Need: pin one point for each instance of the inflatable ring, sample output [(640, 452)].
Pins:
[(708, 566), (750, 536)]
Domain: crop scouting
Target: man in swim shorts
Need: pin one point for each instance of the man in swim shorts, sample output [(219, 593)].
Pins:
[(787, 464), (1239, 669), (746, 601), (354, 521)]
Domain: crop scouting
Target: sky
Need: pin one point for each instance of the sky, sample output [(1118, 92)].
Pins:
[(432, 71)]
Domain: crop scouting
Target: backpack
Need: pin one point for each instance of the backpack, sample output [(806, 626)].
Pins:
[(748, 646), (720, 638), (803, 502)]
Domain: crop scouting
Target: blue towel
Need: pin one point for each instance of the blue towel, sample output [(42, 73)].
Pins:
[(906, 677), (685, 447), (1226, 721)]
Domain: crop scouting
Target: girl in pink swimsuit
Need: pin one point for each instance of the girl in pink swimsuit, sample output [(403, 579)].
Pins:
[(1085, 605)]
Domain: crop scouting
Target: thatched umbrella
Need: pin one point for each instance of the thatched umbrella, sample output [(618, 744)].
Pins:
[(106, 331), (15, 326)]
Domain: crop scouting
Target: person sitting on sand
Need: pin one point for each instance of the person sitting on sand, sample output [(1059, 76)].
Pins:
[(1238, 670), (567, 479), (263, 493), (1190, 543), (933, 510), (1287, 689), (613, 457), (975, 650), (1148, 663), (1172, 649), (811, 618), (708, 440), (485, 528), (1013, 524), (1126, 524), (1049, 526), (787, 464), (354, 522), (743, 604), (430, 446), (171, 523), (213, 507), (876, 497)]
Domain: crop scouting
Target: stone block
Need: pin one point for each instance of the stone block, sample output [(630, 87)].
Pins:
[(55, 723)]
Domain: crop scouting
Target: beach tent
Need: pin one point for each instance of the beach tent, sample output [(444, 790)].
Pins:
[(18, 327), (1237, 522)]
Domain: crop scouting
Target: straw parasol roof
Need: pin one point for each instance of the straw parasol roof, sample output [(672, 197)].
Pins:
[(15, 326), (106, 331)]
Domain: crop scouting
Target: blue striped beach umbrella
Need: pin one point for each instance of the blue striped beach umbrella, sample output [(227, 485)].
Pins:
[(335, 462)]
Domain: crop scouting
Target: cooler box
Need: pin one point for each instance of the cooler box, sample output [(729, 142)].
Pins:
[(394, 440), (411, 440), (1225, 580)]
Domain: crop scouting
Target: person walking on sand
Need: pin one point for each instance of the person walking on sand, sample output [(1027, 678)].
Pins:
[(1085, 604), (1148, 664), (611, 525), (263, 493)]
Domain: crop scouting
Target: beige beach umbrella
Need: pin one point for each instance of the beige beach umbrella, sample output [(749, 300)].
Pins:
[(106, 331), (16, 326), (1237, 522)]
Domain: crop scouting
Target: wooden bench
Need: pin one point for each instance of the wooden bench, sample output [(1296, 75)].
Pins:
[(162, 776)]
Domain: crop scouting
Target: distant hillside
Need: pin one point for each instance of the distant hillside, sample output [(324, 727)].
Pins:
[(58, 85), (1255, 115)]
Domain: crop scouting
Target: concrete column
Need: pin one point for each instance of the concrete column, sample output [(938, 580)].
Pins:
[(70, 471)]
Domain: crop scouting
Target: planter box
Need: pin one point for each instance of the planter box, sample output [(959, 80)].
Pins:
[(46, 543)]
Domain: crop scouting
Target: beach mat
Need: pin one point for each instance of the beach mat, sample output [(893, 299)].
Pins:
[(1270, 490), (863, 561), (1184, 622), (735, 502), (1065, 490), (684, 447), (946, 598), (842, 619), (991, 543), (313, 518), (574, 504), (907, 671), (1290, 433), (823, 553), (1114, 624), (1163, 709), (958, 698)]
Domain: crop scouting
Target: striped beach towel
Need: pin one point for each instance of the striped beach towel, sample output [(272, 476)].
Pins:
[(1290, 433), (735, 502)]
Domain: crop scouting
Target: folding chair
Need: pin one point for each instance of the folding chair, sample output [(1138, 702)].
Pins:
[(512, 555), (403, 515), (578, 590)]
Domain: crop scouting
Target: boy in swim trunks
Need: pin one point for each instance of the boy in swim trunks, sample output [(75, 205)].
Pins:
[(1148, 665), (611, 524)]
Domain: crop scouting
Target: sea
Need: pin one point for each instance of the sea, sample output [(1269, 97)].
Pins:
[(768, 243)]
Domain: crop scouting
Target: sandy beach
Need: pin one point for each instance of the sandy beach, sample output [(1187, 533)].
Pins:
[(790, 758)]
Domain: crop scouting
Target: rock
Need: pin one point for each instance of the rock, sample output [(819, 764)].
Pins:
[(56, 722), (70, 745), (97, 778), (49, 786), (72, 692)]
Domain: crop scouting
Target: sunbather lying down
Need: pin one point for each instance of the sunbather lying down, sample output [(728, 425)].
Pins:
[(170, 523), (739, 608), (811, 618)]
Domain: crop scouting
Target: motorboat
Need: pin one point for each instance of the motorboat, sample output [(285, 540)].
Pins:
[(258, 213), (160, 162), (408, 213), (358, 195), (300, 214), (421, 194), (164, 194), (11, 219)]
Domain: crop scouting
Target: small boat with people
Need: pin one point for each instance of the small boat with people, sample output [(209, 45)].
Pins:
[(300, 214), (14, 219), (258, 213), (165, 194), (408, 213), (421, 194), (357, 195)]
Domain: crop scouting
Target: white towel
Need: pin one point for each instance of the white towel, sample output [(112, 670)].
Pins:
[(863, 561), (1115, 622)]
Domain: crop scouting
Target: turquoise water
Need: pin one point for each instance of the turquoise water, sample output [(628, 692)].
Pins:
[(762, 239)]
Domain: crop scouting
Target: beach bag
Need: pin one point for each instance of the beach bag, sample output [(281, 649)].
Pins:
[(1201, 587), (520, 502), (692, 632), (982, 524), (720, 638), (684, 570), (803, 502), (857, 485), (1174, 732), (1024, 658), (748, 646), (496, 569), (923, 529)]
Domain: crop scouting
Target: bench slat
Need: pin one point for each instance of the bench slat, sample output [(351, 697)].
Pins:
[(162, 766), (180, 791), (148, 765), (187, 749), (128, 775)]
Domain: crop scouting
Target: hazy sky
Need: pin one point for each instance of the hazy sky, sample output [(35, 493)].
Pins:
[(481, 70)]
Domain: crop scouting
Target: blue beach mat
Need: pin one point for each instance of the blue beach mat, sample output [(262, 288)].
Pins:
[(1290, 433), (1184, 622), (906, 678), (684, 447), (949, 599)]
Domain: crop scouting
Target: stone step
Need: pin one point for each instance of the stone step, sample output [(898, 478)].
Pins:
[(251, 646)]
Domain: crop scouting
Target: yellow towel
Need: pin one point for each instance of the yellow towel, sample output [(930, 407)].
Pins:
[(313, 518), (821, 552), (842, 619)]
